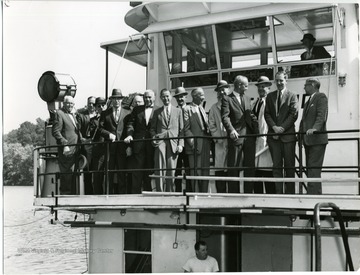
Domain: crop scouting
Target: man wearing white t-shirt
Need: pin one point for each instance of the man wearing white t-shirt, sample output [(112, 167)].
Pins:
[(202, 262)]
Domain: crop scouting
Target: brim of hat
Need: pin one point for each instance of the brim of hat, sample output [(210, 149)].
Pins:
[(302, 40), (182, 93), (116, 96), (265, 82), (223, 86)]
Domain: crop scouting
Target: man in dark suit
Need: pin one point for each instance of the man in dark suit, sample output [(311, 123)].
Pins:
[(66, 131), (237, 118), (83, 117), (312, 52), (142, 151), (196, 124), (167, 122), (98, 152), (112, 128), (281, 112), (183, 160), (314, 120)]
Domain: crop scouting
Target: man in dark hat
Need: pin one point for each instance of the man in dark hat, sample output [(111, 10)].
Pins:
[(312, 52), (263, 156), (98, 154), (183, 160), (112, 128)]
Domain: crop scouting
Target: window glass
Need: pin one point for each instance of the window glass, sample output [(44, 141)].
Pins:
[(194, 81), (137, 240), (137, 250), (289, 34), (137, 263), (244, 43), (252, 75), (190, 50)]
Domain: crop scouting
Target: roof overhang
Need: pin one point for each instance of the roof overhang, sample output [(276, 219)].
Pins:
[(134, 47)]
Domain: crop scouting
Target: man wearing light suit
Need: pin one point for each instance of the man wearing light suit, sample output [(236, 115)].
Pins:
[(167, 122), (66, 131), (142, 151), (112, 128), (237, 118), (281, 112), (314, 120), (196, 124)]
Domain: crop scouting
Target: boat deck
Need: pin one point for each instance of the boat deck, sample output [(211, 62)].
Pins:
[(196, 202)]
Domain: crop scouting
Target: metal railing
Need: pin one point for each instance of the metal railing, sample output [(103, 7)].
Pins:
[(45, 152)]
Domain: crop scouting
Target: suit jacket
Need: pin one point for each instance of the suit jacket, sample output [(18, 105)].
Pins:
[(217, 129), (314, 117), (64, 130), (138, 129), (161, 128), (287, 116), (318, 52), (232, 114), (108, 125), (193, 127), (84, 120)]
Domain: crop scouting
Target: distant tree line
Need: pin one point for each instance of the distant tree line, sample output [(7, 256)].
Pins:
[(18, 152)]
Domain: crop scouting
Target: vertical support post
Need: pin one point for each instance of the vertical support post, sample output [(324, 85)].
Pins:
[(358, 159), (106, 73), (300, 162), (195, 164), (107, 168), (222, 247), (35, 178)]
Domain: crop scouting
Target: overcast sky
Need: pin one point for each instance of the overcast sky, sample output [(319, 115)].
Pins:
[(64, 37)]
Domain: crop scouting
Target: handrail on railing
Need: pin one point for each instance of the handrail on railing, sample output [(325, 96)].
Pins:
[(344, 235), (106, 171)]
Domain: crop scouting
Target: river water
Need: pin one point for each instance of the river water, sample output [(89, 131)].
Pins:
[(33, 245)]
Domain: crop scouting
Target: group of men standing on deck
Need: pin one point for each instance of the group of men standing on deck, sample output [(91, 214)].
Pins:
[(166, 140)]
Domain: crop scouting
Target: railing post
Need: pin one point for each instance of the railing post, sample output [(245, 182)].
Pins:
[(107, 168), (300, 162), (195, 164), (358, 150)]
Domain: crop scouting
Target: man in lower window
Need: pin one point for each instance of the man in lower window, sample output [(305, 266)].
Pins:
[(201, 262)]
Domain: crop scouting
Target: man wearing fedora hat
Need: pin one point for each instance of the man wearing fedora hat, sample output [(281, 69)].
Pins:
[(263, 157), (112, 128), (183, 160), (312, 52)]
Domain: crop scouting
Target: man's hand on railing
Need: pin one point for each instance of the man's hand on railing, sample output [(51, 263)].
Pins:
[(112, 137), (128, 139), (310, 132), (234, 134)]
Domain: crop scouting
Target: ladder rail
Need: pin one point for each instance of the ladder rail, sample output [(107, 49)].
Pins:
[(344, 234)]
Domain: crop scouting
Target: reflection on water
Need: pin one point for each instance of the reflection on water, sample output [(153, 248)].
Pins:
[(37, 246)]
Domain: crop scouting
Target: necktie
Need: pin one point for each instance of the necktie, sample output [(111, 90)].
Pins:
[(202, 115), (278, 102), (167, 114), (242, 101), (260, 103)]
